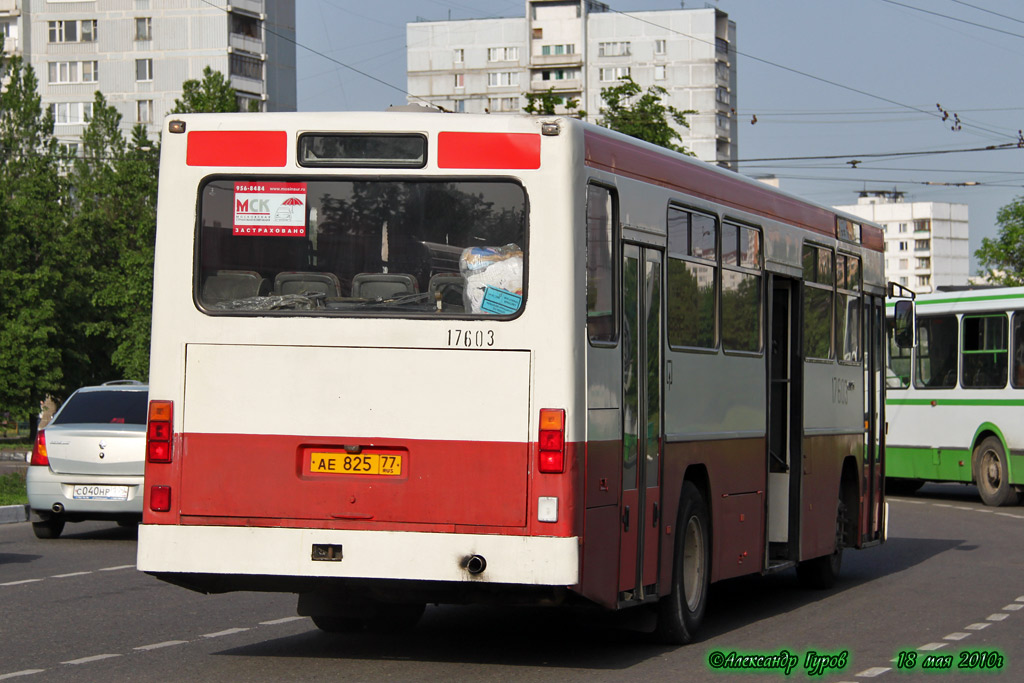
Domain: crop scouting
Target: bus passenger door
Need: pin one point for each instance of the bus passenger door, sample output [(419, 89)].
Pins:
[(872, 521), (641, 421), (784, 422)]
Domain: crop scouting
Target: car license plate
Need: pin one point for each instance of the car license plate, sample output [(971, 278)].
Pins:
[(99, 492), (364, 463)]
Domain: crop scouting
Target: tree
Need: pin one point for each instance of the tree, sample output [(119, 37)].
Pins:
[(213, 94), (546, 102), (113, 231), (1002, 258), (643, 115), (31, 218)]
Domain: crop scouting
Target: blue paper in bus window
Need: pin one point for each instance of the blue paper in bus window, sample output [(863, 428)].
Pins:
[(500, 301)]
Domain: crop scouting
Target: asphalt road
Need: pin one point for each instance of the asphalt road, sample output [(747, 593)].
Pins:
[(949, 580)]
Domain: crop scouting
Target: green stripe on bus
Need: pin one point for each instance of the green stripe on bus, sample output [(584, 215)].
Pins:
[(933, 464), (954, 401), (966, 299)]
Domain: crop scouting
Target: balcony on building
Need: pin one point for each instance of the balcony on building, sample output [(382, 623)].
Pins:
[(561, 86), (564, 60), (252, 6), (246, 33), (9, 8)]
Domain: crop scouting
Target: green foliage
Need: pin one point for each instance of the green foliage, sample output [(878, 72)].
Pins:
[(545, 104), (12, 489), (31, 218), (643, 115), (213, 94), (1002, 258)]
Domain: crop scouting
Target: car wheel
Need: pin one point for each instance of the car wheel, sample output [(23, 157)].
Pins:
[(48, 528)]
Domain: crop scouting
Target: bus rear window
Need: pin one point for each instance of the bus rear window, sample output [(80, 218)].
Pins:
[(351, 247)]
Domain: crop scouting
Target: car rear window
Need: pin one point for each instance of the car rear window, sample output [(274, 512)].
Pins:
[(104, 407)]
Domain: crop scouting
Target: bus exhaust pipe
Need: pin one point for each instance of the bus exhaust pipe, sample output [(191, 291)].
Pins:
[(475, 564), (58, 508)]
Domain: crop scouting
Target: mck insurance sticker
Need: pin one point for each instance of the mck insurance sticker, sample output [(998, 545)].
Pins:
[(272, 209)]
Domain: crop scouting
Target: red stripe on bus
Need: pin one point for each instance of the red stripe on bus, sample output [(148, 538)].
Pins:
[(633, 161), (237, 148), (488, 150), (872, 237)]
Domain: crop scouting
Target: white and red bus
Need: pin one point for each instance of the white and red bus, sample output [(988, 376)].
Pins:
[(411, 358)]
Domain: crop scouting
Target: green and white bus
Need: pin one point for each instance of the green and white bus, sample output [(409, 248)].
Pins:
[(955, 398)]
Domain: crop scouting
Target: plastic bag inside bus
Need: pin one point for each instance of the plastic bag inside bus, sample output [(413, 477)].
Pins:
[(343, 246)]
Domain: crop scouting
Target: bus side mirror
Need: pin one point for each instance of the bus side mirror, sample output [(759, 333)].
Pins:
[(903, 324)]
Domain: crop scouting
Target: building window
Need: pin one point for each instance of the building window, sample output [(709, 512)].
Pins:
[(722, 121), (922, 225), (614, 73), (144, 111), (249, 103), (620, 49), (903, 246), (502, 104), (924, 280), (458, 55), (721, 46), (722, 71), (566, 49), (460, 80), (246, 67), (73, 72), (143, 69), (924, 263), (659, 46), (72, 31), (65, 113), (558, 74), (502, 78), (903, 227), (921, 245), (502, 54), (245, 25), (904, 264), (460, 106), (143, 28), (659, 72), (722, 95)]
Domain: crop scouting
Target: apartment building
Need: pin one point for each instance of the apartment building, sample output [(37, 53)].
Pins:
[(579, 47), (926, 243), (139, 52)]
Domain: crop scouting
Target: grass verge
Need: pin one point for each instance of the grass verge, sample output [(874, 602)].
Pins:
[(12, 489)]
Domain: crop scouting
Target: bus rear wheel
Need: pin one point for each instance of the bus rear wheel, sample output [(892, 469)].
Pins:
[(681, 612), (992, 474)]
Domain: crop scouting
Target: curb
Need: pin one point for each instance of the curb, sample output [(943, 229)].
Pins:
[(9, 514)]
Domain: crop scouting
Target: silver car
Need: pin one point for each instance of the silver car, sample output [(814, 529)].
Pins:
[(88, 462)]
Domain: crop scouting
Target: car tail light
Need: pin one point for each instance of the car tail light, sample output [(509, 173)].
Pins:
[(551, 440), (158, 432), (160, 498), (39, 455)]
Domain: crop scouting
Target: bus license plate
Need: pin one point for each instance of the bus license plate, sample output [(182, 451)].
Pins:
[(101, 492), (364, 463)]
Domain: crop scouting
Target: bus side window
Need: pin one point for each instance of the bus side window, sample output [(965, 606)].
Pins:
[(936, 352), (602, 215), (984, 352), (1017, 378)]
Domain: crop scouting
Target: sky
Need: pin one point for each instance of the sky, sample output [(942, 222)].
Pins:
[(858, 80)]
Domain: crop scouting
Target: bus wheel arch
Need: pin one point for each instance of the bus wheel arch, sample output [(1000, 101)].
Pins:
[(822, 572), (990, 470), (681, 612)]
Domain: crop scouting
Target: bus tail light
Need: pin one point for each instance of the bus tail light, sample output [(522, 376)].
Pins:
[(158, 432), (39, 455), (551, 440), (160, 498)]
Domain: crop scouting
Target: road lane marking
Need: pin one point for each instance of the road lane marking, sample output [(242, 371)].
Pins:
[(932, 646), (977, 627), (25, 672), (94, 658), (120, 566), (227, 632), (959, 635), (64, 576), (285, 620), (998, 616), (18, 583), (1013, 607), (873, 671), (157, 646)]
